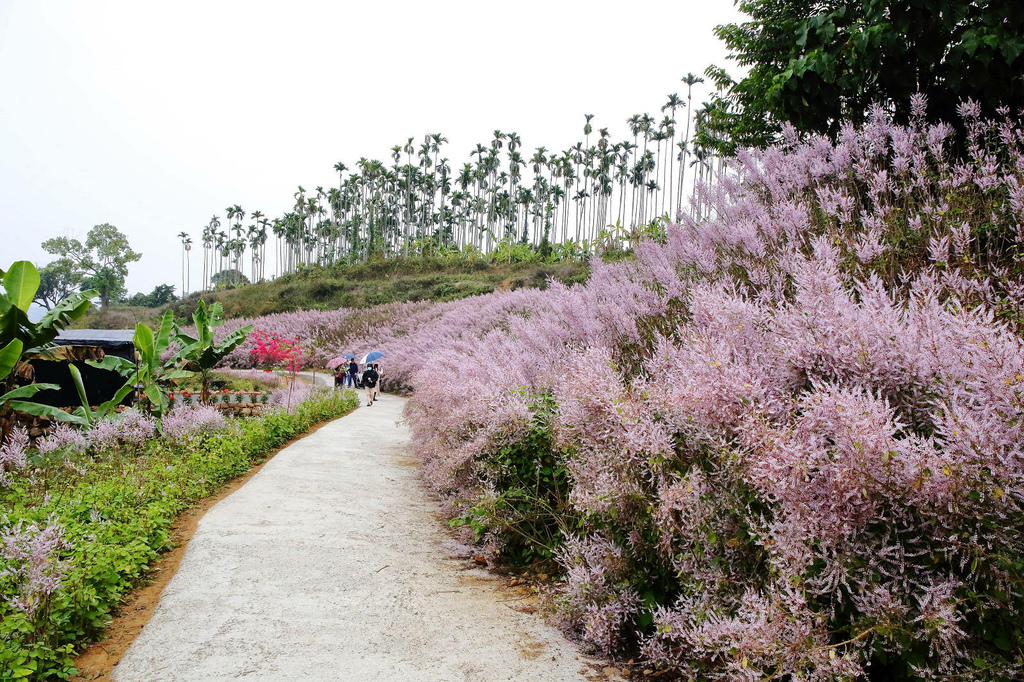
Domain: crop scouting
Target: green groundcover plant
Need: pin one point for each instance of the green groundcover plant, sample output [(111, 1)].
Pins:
[(89, 511)]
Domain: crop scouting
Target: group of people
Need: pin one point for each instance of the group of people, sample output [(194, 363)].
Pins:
[(371, 379)]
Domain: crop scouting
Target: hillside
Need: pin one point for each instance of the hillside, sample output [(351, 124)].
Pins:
[(357, 286)]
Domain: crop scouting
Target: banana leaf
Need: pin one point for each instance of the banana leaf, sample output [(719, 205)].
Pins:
[(76, 376), (21, 283), (45, 411), (63, 314), (156, 397), (145, 343), (113, 363), (105, 408), (9, 356), (27, 391), (17, 400), (163, 337), (14, 324)]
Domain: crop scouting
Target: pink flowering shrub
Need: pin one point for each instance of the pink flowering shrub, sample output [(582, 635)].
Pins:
[(599, 593), (187, 422), (30, 561), (261, 379), (272, 350), (296, 392), (130, 430), (63, 437), (788, 435), (12, 454)]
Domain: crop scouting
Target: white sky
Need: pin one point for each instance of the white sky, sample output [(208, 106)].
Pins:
[(155, 116)]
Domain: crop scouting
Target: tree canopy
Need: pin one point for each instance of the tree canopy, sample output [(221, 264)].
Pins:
[(818, 63), (102, 261), (57, 281), (162, 294), (227, 279)]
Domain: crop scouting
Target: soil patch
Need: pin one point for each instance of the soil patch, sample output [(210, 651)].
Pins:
[(99, 659)]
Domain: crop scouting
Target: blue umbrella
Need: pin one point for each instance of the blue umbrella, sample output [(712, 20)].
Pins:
[(372, 356)]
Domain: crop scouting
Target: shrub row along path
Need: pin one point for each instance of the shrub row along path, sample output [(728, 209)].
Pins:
[(332, 563)]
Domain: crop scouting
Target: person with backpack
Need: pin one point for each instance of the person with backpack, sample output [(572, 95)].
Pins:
[(370, 377)]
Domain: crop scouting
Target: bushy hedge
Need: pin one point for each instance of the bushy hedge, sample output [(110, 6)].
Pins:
[(101, 519)]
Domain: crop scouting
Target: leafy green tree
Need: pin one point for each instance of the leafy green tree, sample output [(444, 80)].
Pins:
[(56, 282), (162, 294), (817, 64), (102, 261), (227, 279)]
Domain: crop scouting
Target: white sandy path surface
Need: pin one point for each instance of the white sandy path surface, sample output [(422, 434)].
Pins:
[(332, 564)]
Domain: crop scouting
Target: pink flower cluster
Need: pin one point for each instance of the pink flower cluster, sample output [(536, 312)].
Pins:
[(63, 436), (598, 594), (797, 423), (187, 422), (12, 454), (294, 393), (31, 557), (131, 429), (259, 377)]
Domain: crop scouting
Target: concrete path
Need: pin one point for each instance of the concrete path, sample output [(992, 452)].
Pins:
[(332, 563)]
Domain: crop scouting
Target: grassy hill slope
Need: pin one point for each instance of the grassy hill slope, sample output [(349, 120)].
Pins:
[(356, 286)]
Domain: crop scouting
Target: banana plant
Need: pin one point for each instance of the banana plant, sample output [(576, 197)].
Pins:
[(19, 336), (202, 353), (149, 371), (152, 371), (86, 415)]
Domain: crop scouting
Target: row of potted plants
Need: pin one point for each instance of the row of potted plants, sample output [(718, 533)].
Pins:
[(225, 396)]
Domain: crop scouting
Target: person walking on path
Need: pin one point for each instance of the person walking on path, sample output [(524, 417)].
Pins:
[(370, 377), (353, 370)]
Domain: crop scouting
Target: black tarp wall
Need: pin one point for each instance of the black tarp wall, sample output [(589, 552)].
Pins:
[(100, 384)]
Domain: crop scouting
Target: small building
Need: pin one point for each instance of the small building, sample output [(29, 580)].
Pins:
[(76, 346)]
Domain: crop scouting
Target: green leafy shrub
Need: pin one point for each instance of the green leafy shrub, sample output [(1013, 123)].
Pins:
[(529, 508)]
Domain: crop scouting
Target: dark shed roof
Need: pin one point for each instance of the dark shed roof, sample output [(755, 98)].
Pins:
[(107, 339)]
